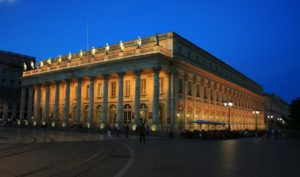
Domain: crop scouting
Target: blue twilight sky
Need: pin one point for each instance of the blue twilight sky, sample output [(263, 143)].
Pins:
[(259, 38)]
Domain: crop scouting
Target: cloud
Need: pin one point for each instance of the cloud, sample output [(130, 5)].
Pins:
[(9, 1)]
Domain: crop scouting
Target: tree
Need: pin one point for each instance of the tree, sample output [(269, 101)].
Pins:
[(295, 112)]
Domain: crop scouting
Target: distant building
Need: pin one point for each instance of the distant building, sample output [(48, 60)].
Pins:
[(276, 110), (11, 68), (164, 81)]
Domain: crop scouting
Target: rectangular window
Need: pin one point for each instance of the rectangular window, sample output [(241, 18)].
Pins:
[(127, 88), (100, 90), (87, 91), (190, 89), (211, 95), (143, 87), (205, 92), (113, 89), (180, 86), (161, 85), (198, 90), (76, 92), (188, 54)]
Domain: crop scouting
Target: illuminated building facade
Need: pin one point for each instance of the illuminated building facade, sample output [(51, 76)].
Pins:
[(163, 81)]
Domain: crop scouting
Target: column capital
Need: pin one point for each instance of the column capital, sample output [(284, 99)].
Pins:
[(105, 76), (68, 81), (92, 78), (120, 74), (156, 69), (47, 83), (137, 71), (79, 79), (57, 82)]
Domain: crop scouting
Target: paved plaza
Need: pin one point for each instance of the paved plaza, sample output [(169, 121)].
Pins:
[(42, 152)]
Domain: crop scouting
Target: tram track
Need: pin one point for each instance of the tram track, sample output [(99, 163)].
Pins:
[(27, 147)]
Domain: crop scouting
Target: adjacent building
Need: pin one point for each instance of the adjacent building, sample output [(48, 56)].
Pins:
[(164, 81), (11, 69), (276, 110)]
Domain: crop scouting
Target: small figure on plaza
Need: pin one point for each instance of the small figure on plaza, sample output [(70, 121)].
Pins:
[(126, 130), (142, 131)]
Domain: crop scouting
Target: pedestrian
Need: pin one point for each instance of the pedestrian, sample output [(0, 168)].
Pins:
[(118, 132), (127, 130), (142, 130), (109, 132)]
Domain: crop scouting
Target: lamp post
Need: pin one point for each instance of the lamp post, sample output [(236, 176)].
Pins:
[(228, 104), (270, 117), (256, 115)]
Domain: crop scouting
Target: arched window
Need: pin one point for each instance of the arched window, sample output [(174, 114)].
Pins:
[(74, 114), (99, 114), (127, 113), (86, 114), (112, 113), (143, 112)]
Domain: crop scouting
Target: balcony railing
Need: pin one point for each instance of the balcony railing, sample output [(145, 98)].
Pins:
[(100, 57)]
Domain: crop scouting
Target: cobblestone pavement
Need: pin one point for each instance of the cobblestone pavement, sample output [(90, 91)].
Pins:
[(41, 152)]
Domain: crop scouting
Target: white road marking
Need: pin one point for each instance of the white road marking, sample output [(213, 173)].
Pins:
[(123, 171)]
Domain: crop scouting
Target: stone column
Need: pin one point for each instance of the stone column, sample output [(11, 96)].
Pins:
[(91, 101), (168, 100), (137, 97), (78, 101), (22, 106), (56, 101), (30, 102), (120, 118), (38, 103), (172, 99), (67, 100), (46, 104), (105, 96), (156, 96)]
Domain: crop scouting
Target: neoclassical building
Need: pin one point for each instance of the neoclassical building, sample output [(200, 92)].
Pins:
[(164, 81)]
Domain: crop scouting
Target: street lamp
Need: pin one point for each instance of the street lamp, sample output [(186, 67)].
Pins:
[(270, 117), (228, 104), (256, 115)]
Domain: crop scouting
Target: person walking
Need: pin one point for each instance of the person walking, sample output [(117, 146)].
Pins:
[(118, 132), (142, 130), (127, 130)]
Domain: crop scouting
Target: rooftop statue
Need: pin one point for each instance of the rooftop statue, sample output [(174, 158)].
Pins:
[(70, 56), (49, 61), (139, 42), (122, 46), (41, 64), (81, 54), (59, 59), (107, 48), (93, 51), (32, 65), (24, 66), (157, 39)]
